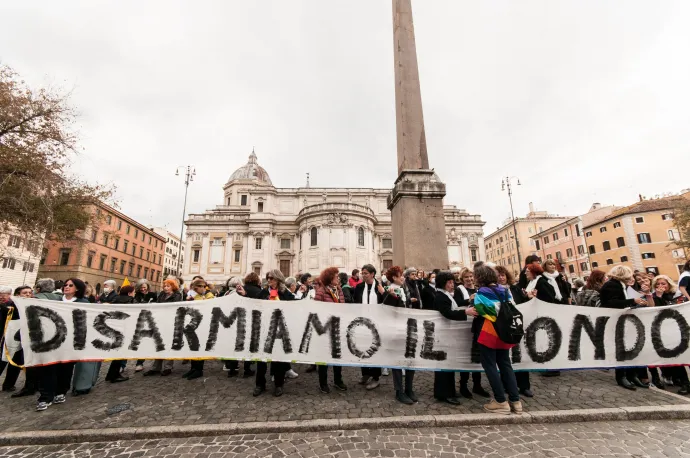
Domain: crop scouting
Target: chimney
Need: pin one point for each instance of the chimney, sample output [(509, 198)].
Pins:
[(531, 207)]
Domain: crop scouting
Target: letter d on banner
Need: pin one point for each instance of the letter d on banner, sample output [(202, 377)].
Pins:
[(33, 315)]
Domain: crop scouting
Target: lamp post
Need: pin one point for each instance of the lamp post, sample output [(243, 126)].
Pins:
[(505, 184), (189, 173)]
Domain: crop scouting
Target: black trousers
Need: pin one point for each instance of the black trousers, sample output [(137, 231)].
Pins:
[(444, 385), (465, 378), (373, 372), (12, 371), (523, 380), (55, 379), (278, 371), (114, 369), (398, 380), (323, 375)]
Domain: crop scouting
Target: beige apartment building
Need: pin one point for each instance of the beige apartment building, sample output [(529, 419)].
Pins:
[(506, 248), (565, 242), (641, 236)]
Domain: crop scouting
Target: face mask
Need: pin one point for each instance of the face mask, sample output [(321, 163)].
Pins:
[(107, 290), (432, 282)]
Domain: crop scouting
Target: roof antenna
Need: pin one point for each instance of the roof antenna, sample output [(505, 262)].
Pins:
[(307, 179)]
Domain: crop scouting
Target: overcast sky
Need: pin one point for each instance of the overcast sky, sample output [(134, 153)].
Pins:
[(584, 101)]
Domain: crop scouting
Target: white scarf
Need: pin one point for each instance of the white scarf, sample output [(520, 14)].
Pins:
[(552, 281), (454, 305), (625, 290), (372, 293), (532, 285), (64, 299), (465, 293)]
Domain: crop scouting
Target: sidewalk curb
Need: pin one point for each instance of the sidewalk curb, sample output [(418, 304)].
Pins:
[(666, 412)]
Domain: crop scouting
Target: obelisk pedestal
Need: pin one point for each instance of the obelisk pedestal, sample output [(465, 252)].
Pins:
[(416, 201)]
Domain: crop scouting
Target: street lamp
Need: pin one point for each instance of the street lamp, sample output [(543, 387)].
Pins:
[(505, 183), (189, 174)]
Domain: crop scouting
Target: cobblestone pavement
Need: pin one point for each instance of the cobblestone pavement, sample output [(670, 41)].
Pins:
[(615, 439), (162, 401)]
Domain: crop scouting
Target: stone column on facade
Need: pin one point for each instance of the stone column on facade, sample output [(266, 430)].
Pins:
[(416, 201), (466, 258), (482, 248), (205, 253)]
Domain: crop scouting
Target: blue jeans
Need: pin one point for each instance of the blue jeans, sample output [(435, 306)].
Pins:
[(493, 361)]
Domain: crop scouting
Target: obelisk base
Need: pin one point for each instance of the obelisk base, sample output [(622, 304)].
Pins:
[(419, 228)]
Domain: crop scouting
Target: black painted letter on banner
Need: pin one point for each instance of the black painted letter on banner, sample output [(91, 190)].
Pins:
[(256, 331), (681, 322), (621, 353), (79, 322), (595, 333), (188, 331), (428, 345), (411, 340), (99, 324), (151, 331), (218, 317), (277, 329), (332, 327), (553, 334), (375, 338), (34, 314)]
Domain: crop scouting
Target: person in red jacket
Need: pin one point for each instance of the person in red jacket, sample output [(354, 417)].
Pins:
[(328, 289), (355, 279)]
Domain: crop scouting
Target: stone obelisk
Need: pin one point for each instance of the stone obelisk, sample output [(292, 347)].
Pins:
[(416, 201)]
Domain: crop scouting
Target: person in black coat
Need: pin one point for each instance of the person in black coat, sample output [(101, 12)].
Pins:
[(369, 291), (429, 291), (522, 280), (444, 303), (395, 297), (252, 286), (538, 285), (275, 291), (412, 288), (143, 294), (109, 292), (614, 295), (171, 293), (114, 374)]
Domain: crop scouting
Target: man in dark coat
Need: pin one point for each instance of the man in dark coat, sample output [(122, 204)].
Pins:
[(369, 291), (109, 292)]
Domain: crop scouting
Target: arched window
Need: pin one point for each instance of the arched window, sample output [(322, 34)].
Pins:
[(314, 237), (360, 237)]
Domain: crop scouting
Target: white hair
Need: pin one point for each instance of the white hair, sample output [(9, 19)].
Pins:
[(110, 282), (455, 270), (5, 290), (408, 271)]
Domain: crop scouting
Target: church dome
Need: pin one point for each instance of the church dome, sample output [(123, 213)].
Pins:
[(251, 171)]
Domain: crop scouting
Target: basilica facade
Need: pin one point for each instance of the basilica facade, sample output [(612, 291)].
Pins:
[(259, 227)]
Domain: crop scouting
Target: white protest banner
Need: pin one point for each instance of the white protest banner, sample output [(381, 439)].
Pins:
[(556, 336)]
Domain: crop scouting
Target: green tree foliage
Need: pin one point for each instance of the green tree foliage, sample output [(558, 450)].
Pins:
[(38, 195)]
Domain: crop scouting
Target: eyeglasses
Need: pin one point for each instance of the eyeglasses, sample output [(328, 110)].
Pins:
[(271, 278), (69, 285)]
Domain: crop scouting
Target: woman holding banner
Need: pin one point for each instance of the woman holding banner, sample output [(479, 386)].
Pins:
[(57, 378), (539, 286), (614, 295), (328, 289), (444, 303), (171, 293), (275, 291)]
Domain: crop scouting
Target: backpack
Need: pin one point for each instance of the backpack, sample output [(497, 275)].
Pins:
[(508, 324)]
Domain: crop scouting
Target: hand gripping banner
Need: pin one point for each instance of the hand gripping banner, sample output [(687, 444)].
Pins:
[(232, 327)]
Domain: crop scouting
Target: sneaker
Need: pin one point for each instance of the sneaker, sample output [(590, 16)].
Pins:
[(667, 381), (325, 389), (516, 407), (41, 406), (138, 368), (373, 384), (364, 380), (502, 408), (340, 386), (291, 374), (59, 399), (226, 368), (385, 372)]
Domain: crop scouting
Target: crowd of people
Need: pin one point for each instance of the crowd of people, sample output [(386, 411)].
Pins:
[(456, 294)]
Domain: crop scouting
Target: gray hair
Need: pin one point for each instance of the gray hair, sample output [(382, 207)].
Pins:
[(290, 281), (455, 270), (408, 271), (45, 285), (140, 283), (110, 282), (5, 290), (234, 282)]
